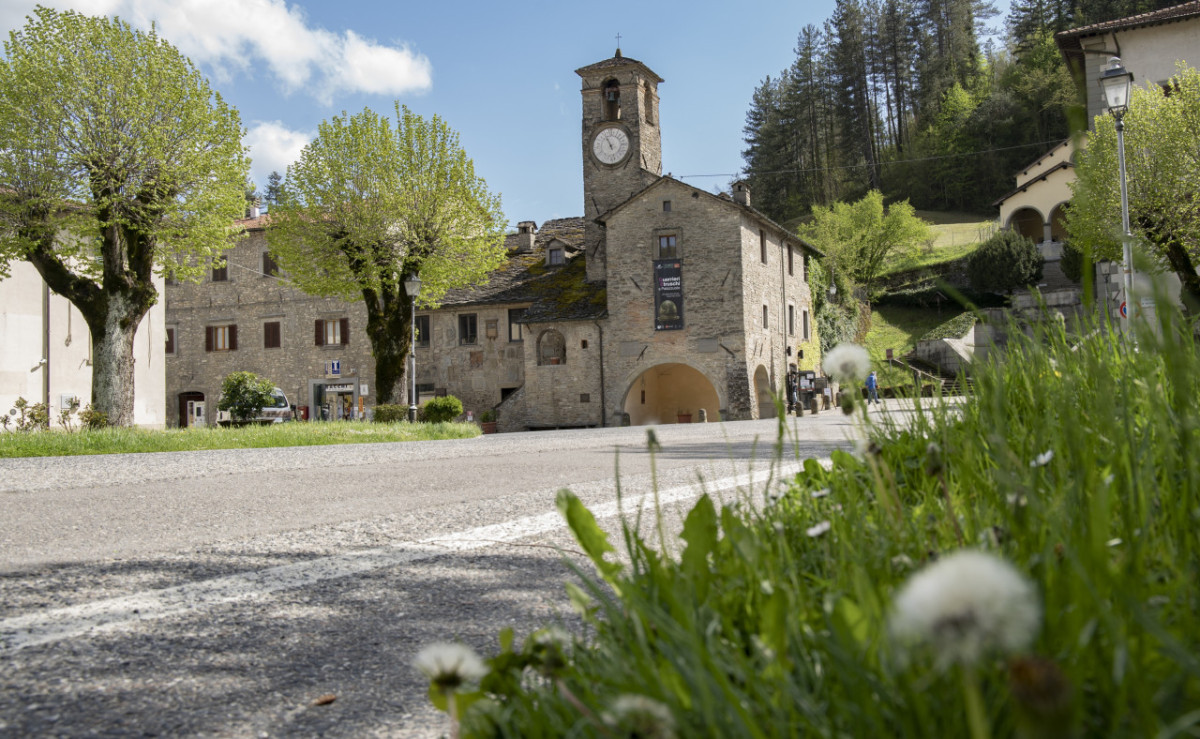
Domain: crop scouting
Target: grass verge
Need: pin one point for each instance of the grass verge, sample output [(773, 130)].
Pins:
[(1073, 474), (125, 440)]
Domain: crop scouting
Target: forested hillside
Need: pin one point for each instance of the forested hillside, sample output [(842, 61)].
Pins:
[(902, 96)]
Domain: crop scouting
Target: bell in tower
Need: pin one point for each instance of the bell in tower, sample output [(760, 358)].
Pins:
[(622, 146)]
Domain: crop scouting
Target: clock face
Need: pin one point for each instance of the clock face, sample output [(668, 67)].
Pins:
[(611, 145)]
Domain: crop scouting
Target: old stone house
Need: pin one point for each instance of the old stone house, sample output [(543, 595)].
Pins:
[(663, 303)]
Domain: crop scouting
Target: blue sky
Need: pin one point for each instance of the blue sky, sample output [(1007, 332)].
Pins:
[(501, 74)]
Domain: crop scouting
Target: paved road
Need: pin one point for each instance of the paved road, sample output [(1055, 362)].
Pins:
[(221, 593)]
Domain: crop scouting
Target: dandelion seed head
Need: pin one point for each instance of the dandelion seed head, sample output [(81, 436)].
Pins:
[(847, 363), (449, 665), (965, 605), (819, 529), (1042, 459), (639, 716)]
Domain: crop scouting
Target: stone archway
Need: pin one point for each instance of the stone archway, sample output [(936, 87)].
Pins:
[(1029, 223), (1058, 222), (666, 392), (763, 393)]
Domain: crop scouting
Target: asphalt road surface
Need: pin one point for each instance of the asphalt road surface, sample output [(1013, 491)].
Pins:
[(231, 593)]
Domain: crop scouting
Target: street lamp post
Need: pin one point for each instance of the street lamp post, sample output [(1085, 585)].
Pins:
[(1115, 82), (412, 286)]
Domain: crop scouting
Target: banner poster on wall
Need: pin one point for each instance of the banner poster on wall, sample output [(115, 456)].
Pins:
[(668, 295)]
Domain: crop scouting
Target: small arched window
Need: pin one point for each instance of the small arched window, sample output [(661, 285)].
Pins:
[(612, 100), (552, 348)]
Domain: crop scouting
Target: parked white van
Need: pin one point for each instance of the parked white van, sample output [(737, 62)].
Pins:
[(277, 411)]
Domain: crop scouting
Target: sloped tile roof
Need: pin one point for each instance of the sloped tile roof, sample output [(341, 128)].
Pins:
[(1176, 12), (559, 293), (618, 62)]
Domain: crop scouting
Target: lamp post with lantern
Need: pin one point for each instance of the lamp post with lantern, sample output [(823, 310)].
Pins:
[(1116, 82), (412, 286)]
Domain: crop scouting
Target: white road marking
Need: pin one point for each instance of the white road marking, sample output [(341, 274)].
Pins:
[(114, 614)]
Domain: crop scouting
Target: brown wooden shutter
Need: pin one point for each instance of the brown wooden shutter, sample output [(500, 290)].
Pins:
[(208, 338), (345, 331), (319, 333), (233, 337)]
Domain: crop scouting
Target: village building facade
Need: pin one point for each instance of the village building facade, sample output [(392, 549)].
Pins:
[(1150, 46), (664, 303)]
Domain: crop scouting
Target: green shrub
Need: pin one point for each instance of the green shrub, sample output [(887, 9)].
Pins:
[(443, 409), (488, 416), (390, 413), (93, 419), (244, 395), (1072, 262), (1008, 261), (31, 416)]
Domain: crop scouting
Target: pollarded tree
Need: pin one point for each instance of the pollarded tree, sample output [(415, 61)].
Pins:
[(116, 159), (1163, 164), (369, 203)]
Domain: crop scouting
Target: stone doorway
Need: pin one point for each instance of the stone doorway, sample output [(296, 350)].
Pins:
[(671, 393), (763, 393)]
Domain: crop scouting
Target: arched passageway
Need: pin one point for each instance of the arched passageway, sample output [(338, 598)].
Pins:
[(762, 392), (1058, 223), (671, 393), (1028, 222)]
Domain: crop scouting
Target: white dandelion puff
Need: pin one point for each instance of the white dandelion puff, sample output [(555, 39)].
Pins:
[(819, 529), (449, 665), (847, 363), (637, 715), (965, 605)]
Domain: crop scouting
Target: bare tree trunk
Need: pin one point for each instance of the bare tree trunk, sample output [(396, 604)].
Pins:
[(112, 363), (389, 327)]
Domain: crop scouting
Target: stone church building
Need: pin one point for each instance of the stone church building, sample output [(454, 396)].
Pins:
[(661, 304)]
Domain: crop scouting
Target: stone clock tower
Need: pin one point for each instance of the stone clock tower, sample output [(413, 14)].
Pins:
[(622, 146)]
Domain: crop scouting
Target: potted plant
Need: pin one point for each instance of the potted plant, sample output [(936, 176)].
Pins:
[(683, 416), (487, 420)]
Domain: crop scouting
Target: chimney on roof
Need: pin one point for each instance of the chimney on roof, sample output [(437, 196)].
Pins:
[(525, 233), (252, 211), (741, 193)]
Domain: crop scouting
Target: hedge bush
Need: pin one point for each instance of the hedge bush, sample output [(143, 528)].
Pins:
[(390, 413), (443, 409), (1008, 261)]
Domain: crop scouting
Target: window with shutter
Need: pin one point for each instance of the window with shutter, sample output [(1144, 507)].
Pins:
[(345, 326), (319, 333), (271, 335), (170, 341)]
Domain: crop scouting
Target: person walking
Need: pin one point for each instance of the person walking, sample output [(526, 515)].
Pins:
[(872, 389)]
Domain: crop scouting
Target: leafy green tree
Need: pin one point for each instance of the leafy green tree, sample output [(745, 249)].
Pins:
[(369, 203), (244, 395), (1163, 165), (274, 183), (1072, 262), (1008, 261), (110, 135), (861, 237)]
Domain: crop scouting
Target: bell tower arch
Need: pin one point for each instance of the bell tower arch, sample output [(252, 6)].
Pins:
[(622, 144)]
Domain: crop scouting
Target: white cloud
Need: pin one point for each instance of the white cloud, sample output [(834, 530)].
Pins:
[(237, 36), (273, 146)]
